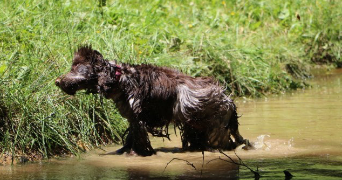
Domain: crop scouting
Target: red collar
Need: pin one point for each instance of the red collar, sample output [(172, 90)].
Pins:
[(117, 71)]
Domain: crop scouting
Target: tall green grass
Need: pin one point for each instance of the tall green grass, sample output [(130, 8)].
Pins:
[(252, 47)]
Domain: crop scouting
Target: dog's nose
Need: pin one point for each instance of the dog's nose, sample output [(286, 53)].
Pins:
[(58, 81)]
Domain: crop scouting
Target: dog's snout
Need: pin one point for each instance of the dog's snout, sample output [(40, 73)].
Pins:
[(58, 82)]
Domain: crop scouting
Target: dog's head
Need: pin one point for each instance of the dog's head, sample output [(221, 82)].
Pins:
[(83, 73)]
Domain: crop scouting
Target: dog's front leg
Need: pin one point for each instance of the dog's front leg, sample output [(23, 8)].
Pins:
[(137, 141), (128, 143), (140, 142)]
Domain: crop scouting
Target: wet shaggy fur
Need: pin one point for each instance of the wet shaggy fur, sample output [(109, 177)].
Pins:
[(152, 97)]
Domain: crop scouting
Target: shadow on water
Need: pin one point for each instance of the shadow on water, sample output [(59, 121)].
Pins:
[(300, 167), (299, 132)]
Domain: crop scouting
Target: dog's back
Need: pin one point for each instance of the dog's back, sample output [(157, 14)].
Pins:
[(161, 95)]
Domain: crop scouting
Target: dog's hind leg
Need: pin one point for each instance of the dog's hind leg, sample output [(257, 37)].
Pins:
[(234, 129), (193, 139)]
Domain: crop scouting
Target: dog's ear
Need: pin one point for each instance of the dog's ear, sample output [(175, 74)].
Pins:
[(87, 54), (97, 55), (84, 51)]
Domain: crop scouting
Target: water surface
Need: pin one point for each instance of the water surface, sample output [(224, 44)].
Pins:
[(299, 132)]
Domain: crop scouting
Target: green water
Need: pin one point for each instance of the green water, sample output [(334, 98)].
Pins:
[(299, 132)]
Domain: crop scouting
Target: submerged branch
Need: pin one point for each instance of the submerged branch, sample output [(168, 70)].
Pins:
[(240, 163), (188, 163)]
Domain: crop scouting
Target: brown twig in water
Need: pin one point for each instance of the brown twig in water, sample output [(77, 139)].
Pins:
[(240, 163), (188, 163), (219, 158)]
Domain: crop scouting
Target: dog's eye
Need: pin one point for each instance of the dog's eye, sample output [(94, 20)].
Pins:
[(82, 69)]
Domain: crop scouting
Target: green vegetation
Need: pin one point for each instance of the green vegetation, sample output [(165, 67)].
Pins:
[(252, 47)]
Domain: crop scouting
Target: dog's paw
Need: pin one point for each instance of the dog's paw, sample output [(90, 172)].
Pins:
[(248, 145)]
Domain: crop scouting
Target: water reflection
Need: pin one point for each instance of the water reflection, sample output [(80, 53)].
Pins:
[(308, 120)]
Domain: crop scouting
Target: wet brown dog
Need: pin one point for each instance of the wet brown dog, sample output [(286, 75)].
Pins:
[(152, 97)]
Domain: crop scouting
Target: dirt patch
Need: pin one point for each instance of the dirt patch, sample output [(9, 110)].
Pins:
[(7, 158)]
